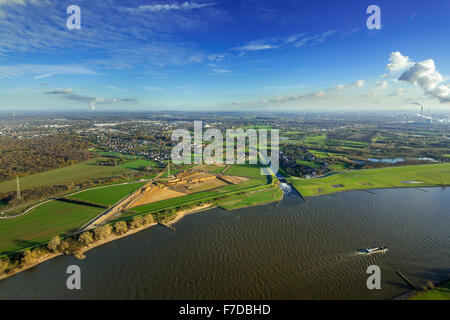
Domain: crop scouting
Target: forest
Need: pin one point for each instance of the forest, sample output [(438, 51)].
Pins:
[(22, 157)]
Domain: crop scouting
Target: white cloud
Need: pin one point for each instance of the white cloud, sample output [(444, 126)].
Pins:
[(169, 7), (9, 2), (125, 40), (425, 75), (357, 84), (308, 96), (285, 87), (216, 57), (318, 38), (60, 91), (398, 92), (221, 71), (93, 101), (150, 88), (442, 92), (295, 40), (398, 62), (38, 71), (255, 47), (117, 89), (382, 84)]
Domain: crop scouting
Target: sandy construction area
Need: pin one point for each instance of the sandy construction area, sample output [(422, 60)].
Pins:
[(154, 194)]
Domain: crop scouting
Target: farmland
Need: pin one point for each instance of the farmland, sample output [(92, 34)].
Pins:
[(249, 171), (81, 172), (107, 196), (137, 164), (427, 175), (47, 220)]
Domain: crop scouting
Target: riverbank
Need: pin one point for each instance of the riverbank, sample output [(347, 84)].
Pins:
[(434, 175), (254, 199), (441, 292), (80, 254)]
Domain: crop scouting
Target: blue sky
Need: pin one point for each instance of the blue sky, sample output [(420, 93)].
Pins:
[(224, 55)]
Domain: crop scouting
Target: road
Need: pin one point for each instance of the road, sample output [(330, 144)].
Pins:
[(70, 194)]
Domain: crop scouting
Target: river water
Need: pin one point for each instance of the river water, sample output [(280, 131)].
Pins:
[(294, 250)]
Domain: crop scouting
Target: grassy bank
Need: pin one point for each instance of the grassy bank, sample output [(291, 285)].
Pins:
[(393, 177), (252, 198), (107, 196), (60, 218), (38, 226), (138, 164), (440, 293), (76, 244)]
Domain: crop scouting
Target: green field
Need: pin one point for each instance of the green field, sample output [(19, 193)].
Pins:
[(430, 175), (117, 155), (246, 170), (318, 153), (315, 140), (47, 220), (440, 293), (310, 164), (107, 196), (321, 140), (138, 164), (252, 198), (175, 201), (81, 172)]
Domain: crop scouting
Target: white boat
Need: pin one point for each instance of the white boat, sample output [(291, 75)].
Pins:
[(376, 250)]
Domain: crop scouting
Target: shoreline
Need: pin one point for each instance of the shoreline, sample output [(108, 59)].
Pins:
[(374, 189), (410, 295), (178, 216)]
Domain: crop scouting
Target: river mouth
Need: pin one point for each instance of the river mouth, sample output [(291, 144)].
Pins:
[(291, 250)]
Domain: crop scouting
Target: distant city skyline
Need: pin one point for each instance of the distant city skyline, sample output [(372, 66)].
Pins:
[(158, 55)]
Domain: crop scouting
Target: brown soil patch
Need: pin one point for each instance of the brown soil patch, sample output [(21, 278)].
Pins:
[(183, 183), (155, 193)]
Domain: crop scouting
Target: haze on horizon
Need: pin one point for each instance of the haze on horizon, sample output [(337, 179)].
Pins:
[(253, 55)]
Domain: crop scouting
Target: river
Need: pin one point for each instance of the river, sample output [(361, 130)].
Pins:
[(294, 250)]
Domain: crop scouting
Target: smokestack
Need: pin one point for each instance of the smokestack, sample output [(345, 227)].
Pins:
[(421, 111)]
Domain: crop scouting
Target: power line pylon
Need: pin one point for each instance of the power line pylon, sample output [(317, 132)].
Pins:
[(19, 195)]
